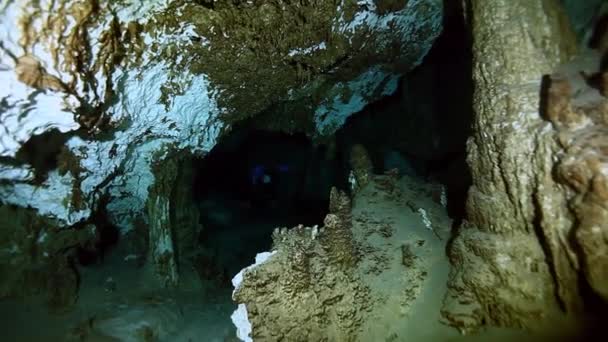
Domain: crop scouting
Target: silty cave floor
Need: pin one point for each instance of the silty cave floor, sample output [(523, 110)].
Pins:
[(403, 263)]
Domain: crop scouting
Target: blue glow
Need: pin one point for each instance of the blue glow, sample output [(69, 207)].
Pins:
[(257, 173)]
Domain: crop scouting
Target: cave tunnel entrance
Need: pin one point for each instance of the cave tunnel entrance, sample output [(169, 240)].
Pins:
[(422, 129), (252, 182), (256, 180)]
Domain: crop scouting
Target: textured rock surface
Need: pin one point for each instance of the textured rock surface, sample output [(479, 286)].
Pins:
[(173, 219), (358, 278), (163, 248), (517, 261), (299, 295), (361, 165), (125, 79), (37, 257), (579, 114)]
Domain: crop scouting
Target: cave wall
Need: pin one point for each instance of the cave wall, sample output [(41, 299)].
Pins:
[(128, 84), (515, 260), (124, 80), (37, 257)]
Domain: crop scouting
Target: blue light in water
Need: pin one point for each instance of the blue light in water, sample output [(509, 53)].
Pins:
[(257, 173)]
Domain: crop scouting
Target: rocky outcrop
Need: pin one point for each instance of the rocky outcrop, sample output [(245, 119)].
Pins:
[(305, 304), (579, 114), (357, 278), (37, 257), (124, 80), (519, 258)]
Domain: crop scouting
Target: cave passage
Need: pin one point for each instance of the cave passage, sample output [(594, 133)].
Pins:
[(252, 182), (422, 129)]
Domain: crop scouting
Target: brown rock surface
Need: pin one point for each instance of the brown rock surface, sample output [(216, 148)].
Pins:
[(348, 281), (536, 215), (361, 165), (37, 258)]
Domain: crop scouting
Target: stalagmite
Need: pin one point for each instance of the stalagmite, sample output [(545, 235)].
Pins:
[(515, 263), (162, 256)]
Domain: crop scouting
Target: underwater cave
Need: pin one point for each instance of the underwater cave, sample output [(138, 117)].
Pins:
[(380, 170), (254, 181)]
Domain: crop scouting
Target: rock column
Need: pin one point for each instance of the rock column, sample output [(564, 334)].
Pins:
[(162, 251), (506, 270)]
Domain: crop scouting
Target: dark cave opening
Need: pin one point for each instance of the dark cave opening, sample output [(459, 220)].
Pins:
[(422, 129), (107, 236), (256, 180), (252, 182)]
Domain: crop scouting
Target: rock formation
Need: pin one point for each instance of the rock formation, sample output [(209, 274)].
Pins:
[(579, 114), (535, 233), (366, 265), (37, 256), (307, 290), (361, 166), (124, 84)]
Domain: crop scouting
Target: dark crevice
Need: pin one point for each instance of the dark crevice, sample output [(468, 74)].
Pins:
[(41, 152), (252, 182), (456, 84), (422, 129), (107, 236)]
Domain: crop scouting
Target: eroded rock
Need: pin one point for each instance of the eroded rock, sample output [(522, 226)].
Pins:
[(518, 260), (133, 79), (350, 279), (37, 257)]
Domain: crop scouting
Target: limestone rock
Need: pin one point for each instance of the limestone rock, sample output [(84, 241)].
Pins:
[(582, 166), (298, 295), (361, 165), (307, 291), (518, 260), (37, 257), (124, 80), (337, 237), (163, 251), (349, 280)]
